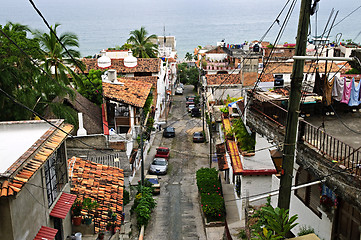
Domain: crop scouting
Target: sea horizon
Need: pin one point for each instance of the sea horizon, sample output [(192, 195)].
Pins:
[(107, 24)]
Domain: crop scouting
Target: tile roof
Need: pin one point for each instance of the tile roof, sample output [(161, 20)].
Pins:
[(63, 205), (133, 92), (216, 50), (149, 79), (46, 233), (151, 65), (282, 67), (224, 79), (101, 183), (221, 156), (24, 168)]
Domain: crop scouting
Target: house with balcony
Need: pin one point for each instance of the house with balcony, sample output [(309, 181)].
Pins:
[(35, 195), (327, 160)]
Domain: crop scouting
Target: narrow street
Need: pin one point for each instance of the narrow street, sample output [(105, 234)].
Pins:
[(177, 214)]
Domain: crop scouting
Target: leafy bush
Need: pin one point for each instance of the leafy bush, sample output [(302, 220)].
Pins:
[(126, 198), (212, 201), (245, 141), (143, 205)]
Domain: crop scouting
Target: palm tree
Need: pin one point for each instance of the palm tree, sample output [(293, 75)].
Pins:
[(142, 45), (57, 61), (189, 56)]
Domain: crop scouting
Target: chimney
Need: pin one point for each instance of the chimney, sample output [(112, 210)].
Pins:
[(112, 75), (81, 131)]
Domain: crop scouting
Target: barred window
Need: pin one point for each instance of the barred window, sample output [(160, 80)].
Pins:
[(55, 174)]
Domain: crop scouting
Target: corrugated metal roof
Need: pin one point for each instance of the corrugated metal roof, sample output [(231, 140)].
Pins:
[(63, 205), (46, 233)]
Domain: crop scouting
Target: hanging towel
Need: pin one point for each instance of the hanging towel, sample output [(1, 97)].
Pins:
[(318, 84), (355, 93), (346, 92), (337, 89), (327, 90)]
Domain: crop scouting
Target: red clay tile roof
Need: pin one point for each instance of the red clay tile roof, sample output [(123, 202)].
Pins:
[(216, 50), (282, 67), (46, 233), (171, 60), (24, 168), (151, 65), (132, 92), (101, 183), (221, 156), (224, 79), (149, 79)]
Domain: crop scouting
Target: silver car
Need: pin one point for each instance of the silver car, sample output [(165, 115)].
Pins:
[(159, 166)]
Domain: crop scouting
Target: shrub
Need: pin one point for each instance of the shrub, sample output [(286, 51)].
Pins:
[(212, 201), (143, 205), (304, 230)]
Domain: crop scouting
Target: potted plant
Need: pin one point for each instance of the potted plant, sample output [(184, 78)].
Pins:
[(89, 206), (76, 212)]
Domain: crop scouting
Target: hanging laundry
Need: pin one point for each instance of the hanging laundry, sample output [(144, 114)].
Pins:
[(337, 89), (346, 92), (355, 94), (318, 84), (327, 90)]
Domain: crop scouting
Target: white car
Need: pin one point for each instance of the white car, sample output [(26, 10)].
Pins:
[(179, 91)]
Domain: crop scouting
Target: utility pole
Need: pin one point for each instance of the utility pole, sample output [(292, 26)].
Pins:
[(141, 147), (293, 107)]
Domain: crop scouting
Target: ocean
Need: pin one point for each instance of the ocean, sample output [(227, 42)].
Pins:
[(107, 23)]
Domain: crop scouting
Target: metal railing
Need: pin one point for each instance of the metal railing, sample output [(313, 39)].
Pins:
[(329, 146)]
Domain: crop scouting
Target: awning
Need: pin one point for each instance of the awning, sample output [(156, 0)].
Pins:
[(235, 158), (46, 233), (63, 205)]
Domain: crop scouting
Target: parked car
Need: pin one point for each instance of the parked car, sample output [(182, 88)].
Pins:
[(153, 179), (179, 91), (190, 107), (181, 85), (162, 152), (196, 112), (198, 137), (169, 132), (190, 100), (158, 166)]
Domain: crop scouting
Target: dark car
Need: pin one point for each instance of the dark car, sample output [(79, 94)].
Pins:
[(169, 132), (196, 112), (198, 137)]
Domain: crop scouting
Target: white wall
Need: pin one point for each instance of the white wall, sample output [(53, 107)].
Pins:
[(216, 56), (256, 185)]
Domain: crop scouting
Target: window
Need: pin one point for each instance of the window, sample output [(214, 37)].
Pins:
[(55, 174), (310, 195)]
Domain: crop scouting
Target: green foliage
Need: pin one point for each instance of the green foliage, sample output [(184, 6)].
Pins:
[(242, 234), (148, 104), (304, 230), (92, 90), (272, 223), (126, 197), (189, 56), (353, 71), (143, 205), (224, 109), (142, 45), (76, 208), (246, 141), (211, 195), (188, 75)]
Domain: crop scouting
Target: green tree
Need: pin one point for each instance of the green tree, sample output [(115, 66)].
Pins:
[(142, 45), (92, 90), (18, 75), (189, 56), (56, 60), (126, 46)]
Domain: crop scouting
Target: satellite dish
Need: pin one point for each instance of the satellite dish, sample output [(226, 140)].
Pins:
[(104, 61)]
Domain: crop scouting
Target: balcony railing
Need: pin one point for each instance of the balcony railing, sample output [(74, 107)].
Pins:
[(330, 147)]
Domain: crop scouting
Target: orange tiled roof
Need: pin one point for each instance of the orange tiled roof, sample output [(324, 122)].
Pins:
[(132, 92), (221, 156), (171, 60), (24, 168), (149, 79), (151, 65), (224, 79), (227, 125), (235, 158), (282, 67), (99, 182)]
